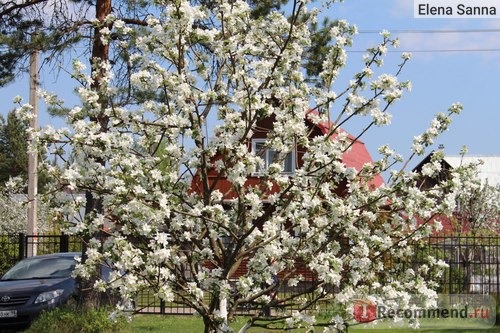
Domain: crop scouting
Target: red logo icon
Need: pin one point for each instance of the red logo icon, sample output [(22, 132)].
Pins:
[(364, 311)]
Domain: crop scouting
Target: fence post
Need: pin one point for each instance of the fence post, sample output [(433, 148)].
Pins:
[(162, 306), (64, 243), (21, 245)]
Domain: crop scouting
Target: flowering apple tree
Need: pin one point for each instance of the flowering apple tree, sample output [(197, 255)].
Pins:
[(203, 77), (14, 210), (478, 210)]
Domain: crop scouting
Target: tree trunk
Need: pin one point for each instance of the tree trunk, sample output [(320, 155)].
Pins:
[(89, 298), (218, 326), (223, 326)]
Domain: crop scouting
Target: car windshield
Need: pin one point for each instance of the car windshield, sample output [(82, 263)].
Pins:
[(41, 267)]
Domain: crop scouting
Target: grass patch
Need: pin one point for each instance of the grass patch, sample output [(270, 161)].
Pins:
[(71, 320), (68, 320), (166, 323), (189, 323), (194, 324)]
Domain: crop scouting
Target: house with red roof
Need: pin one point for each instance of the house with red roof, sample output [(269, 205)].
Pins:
[(355, 157)]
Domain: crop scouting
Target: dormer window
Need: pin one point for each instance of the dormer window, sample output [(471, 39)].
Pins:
[(270, 156)]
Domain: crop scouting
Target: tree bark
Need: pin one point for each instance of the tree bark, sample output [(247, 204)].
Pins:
[(89, 298)]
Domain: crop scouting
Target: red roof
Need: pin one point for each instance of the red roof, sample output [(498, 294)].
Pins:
[(357, 156)]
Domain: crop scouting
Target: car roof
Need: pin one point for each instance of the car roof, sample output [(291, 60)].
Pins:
[(56, 255)]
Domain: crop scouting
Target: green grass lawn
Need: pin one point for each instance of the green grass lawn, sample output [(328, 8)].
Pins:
[(194, 324)]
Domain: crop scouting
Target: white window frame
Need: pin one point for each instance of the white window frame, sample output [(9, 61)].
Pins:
[(266, 156)]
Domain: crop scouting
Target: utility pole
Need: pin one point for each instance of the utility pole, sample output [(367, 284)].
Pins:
[(32, 155)]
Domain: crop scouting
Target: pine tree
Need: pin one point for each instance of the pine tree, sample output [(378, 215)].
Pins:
[(13, 148)]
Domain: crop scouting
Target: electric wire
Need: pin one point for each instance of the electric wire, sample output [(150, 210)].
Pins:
[(432, 51), (433, 31), (430, 31)]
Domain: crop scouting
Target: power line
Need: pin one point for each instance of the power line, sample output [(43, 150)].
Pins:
[(433, 51), (430, 31), (434, 31), (450, 50)]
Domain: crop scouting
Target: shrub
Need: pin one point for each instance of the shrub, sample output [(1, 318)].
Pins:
[(71, 320)]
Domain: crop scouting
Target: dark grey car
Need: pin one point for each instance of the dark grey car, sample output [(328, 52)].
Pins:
[(35, 284)]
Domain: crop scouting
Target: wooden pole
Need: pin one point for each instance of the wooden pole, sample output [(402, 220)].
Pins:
[(32, 156)]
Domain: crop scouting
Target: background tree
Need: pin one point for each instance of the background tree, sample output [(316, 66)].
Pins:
[(14, 151), (478, 209), (50, 26), (205, 89), (13, 213), (13, 148), (13, 178), (13, 219), (477, 215)]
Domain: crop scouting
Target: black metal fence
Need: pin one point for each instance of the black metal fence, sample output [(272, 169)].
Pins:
[(18, 246), (473, 267), (473, 264)]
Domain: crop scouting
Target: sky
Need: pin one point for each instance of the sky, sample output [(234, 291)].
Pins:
[(453, 60)]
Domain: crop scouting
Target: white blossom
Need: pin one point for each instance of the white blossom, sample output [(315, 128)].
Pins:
[(185, 199)]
